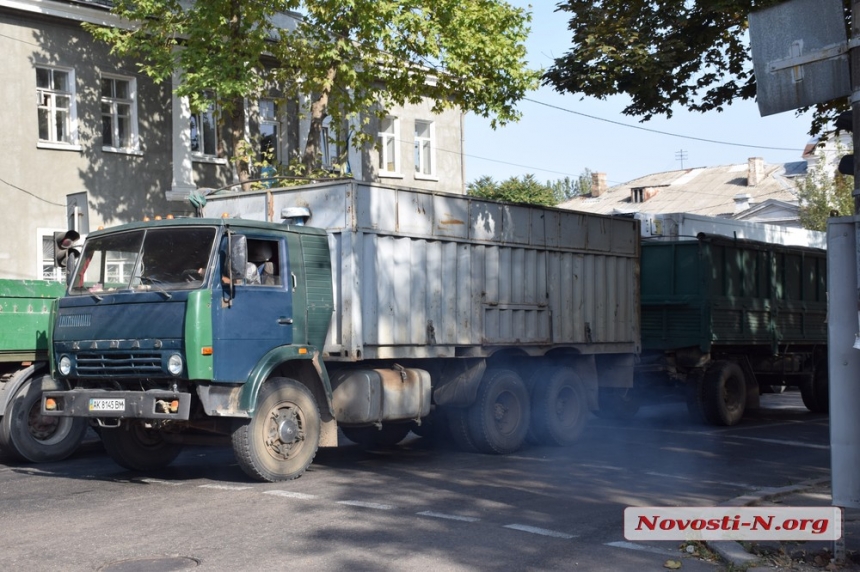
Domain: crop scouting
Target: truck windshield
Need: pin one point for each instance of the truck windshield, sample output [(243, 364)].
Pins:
[(157, 259)]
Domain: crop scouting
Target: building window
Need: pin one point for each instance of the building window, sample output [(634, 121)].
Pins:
[(388, 135), (270, 144), (49, 271), (56, 102), (425, 152), (119, 113), (204, 132)]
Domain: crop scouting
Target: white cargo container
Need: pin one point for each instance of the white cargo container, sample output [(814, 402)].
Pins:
[(419, 274)]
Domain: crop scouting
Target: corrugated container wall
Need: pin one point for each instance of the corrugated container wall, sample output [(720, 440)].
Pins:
[(420, 274)]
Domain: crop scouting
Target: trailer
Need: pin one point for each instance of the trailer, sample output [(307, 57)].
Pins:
[(726, 319), (345, 306), (25, 317)]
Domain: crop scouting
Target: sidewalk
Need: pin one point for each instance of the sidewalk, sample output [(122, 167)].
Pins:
[(799, 556)]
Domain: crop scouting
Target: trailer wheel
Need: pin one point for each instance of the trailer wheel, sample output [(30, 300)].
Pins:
[(816, 392), (281, 440), (372, 437), (135, 447), (499, 418), (31, 436), (559, 408), (724, 393)]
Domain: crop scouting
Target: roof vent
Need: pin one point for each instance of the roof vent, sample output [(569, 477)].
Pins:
[(295, 215)]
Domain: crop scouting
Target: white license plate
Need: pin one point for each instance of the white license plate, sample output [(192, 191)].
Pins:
[(107, 404)]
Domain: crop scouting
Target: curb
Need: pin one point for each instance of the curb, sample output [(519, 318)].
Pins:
[(733, 552)]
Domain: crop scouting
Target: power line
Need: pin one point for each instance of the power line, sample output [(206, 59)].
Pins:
[(31, 194), (659, 132)]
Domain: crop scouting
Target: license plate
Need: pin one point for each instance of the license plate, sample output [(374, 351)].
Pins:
[(107, 404)]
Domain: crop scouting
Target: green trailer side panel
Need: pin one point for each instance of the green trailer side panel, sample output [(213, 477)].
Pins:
[(25, 312), (721, 291)]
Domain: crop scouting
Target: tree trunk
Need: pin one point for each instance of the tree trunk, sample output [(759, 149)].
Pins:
[(319, 107)]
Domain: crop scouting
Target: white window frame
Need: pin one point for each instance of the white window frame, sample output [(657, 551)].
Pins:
[(274, 122), (198, 118), (46, 98), (388, 143), (424, 155), (43, 262), (113, 102)]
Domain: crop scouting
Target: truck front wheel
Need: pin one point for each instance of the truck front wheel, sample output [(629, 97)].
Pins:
[(136, 447), (280, 441), (31, 436), (499, 418), (815, 392), (724, 393)]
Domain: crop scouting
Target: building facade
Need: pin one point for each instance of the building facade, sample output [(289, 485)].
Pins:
[(90, 141)]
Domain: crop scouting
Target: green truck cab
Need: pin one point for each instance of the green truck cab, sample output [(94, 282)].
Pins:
[(25, 318), (173, 326)]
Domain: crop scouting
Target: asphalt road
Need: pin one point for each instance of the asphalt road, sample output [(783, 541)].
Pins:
[(418, 507)]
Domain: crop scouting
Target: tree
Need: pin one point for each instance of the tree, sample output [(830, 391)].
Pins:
[(347, 57), (691, 53), (513, 190), (823, 193)]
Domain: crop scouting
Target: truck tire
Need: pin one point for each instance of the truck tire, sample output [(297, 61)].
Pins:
[(28, 435), (135, 447), (499, 418), (281, 440), (816, 392), (559, 408), (724, 393), (616, 403), (457, 419), (372, 437)]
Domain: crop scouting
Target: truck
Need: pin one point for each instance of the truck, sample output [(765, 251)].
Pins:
[(283, 316), (726, 319), (25, 434)]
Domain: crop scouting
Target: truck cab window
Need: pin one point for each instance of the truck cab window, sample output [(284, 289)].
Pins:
[(263, 268)]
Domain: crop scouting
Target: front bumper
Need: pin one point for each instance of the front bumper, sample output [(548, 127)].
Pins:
[(152, 404)]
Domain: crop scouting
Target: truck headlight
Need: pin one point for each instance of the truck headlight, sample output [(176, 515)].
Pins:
[(65, 365), (174, 364)]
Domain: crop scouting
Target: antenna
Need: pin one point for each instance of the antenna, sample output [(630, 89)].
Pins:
[(681, 156)]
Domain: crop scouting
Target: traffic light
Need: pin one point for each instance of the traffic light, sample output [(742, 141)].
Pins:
[(63, 242), (845, 122)]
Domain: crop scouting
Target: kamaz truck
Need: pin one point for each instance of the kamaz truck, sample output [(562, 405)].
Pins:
[(25, 318), (285, 315)]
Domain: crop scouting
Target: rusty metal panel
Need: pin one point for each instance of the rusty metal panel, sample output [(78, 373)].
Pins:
[(799, 51)]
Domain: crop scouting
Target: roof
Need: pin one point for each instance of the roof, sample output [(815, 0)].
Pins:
[(707, 191)]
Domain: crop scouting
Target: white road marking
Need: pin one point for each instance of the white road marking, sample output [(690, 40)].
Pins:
[(224, 487), (159, 482), (541, 531), (782, 442), (363, 504), (290, 494), (448, 516), (642, 548), (683, 478)]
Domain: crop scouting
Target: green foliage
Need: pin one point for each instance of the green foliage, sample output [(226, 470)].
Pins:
[(691, 53), (346, 57), (824, 193), (513, 190), (567, 188)]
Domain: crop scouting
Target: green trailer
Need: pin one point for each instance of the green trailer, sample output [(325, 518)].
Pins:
[(25, 317), (725, 319)]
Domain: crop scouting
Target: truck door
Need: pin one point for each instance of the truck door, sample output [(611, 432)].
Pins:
[(260, 316)]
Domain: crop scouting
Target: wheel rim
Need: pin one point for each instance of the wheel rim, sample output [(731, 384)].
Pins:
[(45, 429), (284, 433), (507, 412), (732, 393)]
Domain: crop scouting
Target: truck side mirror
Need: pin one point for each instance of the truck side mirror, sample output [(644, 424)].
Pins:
[(238, 255)]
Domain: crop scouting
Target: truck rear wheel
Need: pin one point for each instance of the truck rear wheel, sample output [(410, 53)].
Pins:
[(724, 393), (816, 392), (135, 447), (281, 440), (457, 419), (31, 436), (559, 409), (373, 437), (499, 418)]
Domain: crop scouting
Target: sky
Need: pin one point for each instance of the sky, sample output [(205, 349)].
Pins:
[(554, 143)]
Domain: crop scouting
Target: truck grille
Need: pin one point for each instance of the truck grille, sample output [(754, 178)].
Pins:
[(98, 364)]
